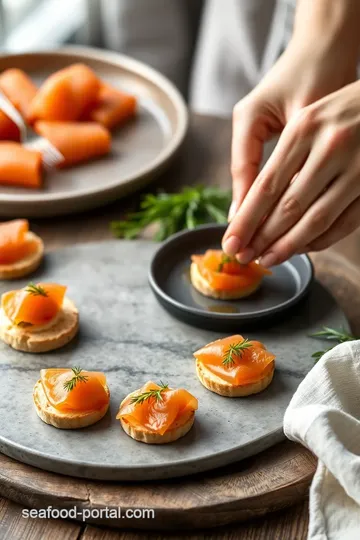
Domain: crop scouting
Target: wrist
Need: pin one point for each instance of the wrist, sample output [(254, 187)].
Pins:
[(328, 31)]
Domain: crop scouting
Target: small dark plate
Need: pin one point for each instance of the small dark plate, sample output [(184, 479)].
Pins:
[(170, 281)]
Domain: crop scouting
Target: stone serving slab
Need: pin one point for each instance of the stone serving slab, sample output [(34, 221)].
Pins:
[(128, 335)]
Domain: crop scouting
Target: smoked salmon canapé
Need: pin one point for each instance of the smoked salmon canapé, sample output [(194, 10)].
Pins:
[(157, 414), (217, 275), (21, 251), (71, 398), (234, 366), (38, 318)]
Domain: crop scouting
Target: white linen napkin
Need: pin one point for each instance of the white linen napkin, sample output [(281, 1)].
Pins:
[(324, 416)]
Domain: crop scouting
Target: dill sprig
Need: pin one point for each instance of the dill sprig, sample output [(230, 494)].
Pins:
[(36, 290), (70, 384), (235, 350), (153, 393), (172, 212), (330, 334), (224, 260)]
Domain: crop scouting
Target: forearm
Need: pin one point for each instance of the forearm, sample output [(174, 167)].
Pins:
[(329, 25)]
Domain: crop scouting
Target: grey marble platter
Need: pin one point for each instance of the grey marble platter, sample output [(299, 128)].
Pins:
[(128, 335)]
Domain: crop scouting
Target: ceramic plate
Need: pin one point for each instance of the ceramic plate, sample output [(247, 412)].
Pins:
[(170, 281), (139, 150)]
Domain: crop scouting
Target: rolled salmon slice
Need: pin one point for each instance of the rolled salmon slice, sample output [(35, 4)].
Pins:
[(65, 95), (19, 89), (20, 166), (114, 107), (8, 129), (78, 142)]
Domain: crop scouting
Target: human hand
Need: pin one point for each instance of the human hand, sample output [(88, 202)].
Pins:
[(307, 196)]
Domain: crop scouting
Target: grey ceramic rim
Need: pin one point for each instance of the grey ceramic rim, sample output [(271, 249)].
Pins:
[(199, 313)]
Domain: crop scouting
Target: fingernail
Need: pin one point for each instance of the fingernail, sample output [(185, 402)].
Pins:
[(231, 245), (269, 259), (232, 210), (246, 256)]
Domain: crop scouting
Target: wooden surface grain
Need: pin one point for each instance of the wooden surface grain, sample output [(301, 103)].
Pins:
[(204, 159)]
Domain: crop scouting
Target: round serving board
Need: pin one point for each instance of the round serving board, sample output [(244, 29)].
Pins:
[(127, 334), (271, 480)]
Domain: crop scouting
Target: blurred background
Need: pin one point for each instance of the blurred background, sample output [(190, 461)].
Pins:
[(215, 51)]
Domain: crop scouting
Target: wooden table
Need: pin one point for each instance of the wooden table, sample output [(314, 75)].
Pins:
[(204, 159)]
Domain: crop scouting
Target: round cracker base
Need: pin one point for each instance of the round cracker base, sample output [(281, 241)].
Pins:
[(65, 420), (223, 388), (25, 266), (181, 428), (203, 287), (53, 338)]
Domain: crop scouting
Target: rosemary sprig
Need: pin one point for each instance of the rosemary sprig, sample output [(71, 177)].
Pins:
[(330, 334), (224, 260), (153, 393), (172, 212), (235, 350), (36, 290), (70, 384)]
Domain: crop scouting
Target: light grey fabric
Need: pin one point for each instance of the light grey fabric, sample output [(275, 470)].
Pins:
[(215, 51)]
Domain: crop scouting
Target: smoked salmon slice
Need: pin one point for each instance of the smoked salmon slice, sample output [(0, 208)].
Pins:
[(65, 95), (226, 273), (19, 89), (14, 244), (74, 389), (113, 108), (8, 129), (236, 360), (34, 305), (20, 166), (156, 407), (77, 142)]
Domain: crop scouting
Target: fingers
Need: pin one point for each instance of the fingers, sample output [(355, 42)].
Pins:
[(250, 131), (316, 221), (286, 160), (322, 166), (348, 222)]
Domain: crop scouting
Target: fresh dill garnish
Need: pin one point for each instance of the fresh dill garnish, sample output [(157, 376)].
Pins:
[(70, 385), (36, 290), (331, 334), (235, 350), (224, 260), (153, 393)]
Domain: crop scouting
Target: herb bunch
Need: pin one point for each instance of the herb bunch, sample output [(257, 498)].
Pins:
[(330, 334), (176, 211), (36, 290)]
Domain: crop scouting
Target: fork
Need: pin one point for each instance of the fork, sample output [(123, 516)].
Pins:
[(51, 156)]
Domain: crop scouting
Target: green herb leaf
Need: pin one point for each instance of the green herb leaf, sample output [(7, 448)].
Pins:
[(70, 384), (171, 213), (235, 350), (150, 394), (24, 324), (36, 290), (331, 334), (225, 259)]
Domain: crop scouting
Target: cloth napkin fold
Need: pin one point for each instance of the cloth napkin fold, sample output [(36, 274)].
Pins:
[(324, 416)]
